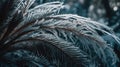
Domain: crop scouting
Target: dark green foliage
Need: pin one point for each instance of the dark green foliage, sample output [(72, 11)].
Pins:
[(38, 37)]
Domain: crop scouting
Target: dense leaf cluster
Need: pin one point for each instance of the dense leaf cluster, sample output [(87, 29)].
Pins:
[(40, 37)]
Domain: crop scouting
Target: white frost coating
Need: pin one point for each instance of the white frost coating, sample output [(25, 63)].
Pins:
[(43, 10)]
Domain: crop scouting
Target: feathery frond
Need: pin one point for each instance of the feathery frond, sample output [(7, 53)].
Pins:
[(39, 37)]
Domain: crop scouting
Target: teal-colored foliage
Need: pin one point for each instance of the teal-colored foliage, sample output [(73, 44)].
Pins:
[(40, 37)]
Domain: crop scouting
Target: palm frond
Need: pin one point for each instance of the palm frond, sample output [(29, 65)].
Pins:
[(43, 10), (64, 40)]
